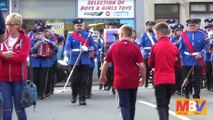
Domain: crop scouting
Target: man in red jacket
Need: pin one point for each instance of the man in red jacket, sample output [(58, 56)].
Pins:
[(164, 58), (128, 61)]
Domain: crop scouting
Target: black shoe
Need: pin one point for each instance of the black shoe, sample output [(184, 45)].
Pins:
[(178, 93), (47, 95), (82, 102), (107, 88), (88, 96), (100, 87), (196, 96), (187, 96), (73, 100), (41, 97), (113, 91)]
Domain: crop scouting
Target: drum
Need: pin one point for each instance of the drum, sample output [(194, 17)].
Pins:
[(109, 39), (44, 50)]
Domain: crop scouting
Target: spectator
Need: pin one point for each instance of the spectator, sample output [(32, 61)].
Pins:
[(128, 61), (164, 58), (13, 56)]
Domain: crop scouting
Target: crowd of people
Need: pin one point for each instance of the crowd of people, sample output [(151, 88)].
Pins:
[(165, 52)]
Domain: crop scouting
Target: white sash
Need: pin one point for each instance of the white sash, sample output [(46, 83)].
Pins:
[(150, 38)]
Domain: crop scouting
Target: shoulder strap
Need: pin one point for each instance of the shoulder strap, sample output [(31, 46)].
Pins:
[(150, 38), (188, 44), (81, 39)]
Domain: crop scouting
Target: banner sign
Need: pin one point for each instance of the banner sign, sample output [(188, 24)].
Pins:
[(106, 8)]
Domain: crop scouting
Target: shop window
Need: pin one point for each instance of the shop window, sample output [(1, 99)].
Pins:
[(166, 11)]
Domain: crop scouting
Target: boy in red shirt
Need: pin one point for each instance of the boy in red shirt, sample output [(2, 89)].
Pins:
[(164, 58), (128, 61)]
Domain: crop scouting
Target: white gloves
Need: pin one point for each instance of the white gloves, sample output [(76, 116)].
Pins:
[(66, 59), (84, 48)]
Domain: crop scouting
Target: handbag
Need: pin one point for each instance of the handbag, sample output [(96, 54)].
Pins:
[(29, 95), (29, 91)]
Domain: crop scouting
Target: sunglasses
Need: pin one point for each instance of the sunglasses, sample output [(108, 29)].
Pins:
[(11, 24)]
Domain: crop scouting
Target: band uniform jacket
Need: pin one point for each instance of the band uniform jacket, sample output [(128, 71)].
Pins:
[(198, 42), (73, 48), (146, 44)]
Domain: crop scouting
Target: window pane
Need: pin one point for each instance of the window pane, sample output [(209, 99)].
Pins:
[(196, 7), (169, 11), (211, 7)]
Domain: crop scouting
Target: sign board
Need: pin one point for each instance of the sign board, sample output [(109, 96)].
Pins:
[(192, 107), (3, 5), (106, 9), (57, 26)]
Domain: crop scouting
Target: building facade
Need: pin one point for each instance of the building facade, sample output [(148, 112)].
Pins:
[(133, 12)]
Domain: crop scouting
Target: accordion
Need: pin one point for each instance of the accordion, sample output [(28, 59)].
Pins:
[(44, 50)]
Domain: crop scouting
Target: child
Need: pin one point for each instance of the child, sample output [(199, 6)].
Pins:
[(128, 61), (164, 58)]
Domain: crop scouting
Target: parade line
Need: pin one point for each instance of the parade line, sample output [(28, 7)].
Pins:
[(170, 112)]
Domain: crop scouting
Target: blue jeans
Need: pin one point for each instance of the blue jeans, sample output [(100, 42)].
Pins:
[(127, 99), (11, 92)]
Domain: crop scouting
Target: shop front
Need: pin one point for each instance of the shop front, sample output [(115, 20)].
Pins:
[(60, 13)]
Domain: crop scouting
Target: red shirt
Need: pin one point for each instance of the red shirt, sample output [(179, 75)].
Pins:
[(125, 56), (164, 58)]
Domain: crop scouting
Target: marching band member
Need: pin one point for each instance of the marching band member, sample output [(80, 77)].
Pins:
[(192, 48), (171, 23), (135, 38), (100, 53), (198, 21), (92, 55), (175, 39), (40, 63), (110, 73), (76, 43), (209, 56), (147, 40), (53, 58), (208, 21), (37, 23)]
